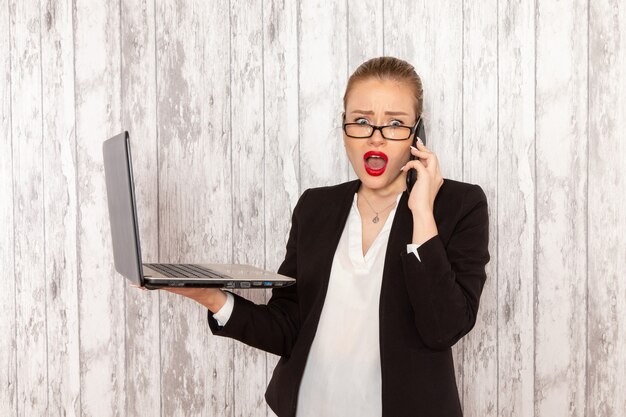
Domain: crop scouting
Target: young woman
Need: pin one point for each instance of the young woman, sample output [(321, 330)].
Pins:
[(388, 279)]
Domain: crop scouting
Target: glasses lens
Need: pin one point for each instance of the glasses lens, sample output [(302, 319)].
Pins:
[(396, 132), (358, 130)]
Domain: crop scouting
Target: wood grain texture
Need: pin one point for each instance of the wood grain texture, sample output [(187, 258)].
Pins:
[(8, 371), (248, 191), (560, 288), (138, 101), (195, 207), (59, 171), (480, 134), (437, 57), (281, 161), (516, 207), (322, 72), (28, 205), (413, 34), (233, 110), (606, 333), (365, 41), (100, 288), (365, 32)]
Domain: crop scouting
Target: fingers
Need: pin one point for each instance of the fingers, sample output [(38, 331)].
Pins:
[(420, 153), (425, 158), (420, 145), (418, 165), (177, 290), (137, 286)]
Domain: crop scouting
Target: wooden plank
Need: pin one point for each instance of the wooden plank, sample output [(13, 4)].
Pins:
[(606, 338), (561, 116), (365, 41), (436, 54), (100, 287), (515, 211), (323, 159), (281, 126), (28, 185), (416, 36), (281, 161), (8, 372), (480, 132), (365, 32), (143, 388), (248, 191), (195, 207), (59, 147)]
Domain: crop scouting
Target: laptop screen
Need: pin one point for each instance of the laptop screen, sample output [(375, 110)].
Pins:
[(122, 208)]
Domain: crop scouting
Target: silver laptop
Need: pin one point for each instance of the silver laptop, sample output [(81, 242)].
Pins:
[(126, 244)]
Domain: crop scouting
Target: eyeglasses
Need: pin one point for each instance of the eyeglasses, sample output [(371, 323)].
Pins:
[(389, 132)]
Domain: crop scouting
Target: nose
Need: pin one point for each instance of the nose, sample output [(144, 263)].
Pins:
[(377, 138)]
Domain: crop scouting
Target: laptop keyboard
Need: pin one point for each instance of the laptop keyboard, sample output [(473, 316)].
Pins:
[(184, 270)]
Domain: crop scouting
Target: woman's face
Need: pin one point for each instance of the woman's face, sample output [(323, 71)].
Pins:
[(375, 160)]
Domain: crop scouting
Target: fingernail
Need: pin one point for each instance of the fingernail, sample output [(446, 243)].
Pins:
[(420, 140), (413, 147), (402, 169)]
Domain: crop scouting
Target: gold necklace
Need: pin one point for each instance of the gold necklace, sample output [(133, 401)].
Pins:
[(376, 219)]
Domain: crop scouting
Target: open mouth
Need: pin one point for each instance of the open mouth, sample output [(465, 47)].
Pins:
[(375, 162)]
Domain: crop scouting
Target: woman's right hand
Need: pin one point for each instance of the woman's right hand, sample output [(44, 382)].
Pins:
[(211, 298)]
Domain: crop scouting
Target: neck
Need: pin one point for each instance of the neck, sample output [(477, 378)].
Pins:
[(385, 193)]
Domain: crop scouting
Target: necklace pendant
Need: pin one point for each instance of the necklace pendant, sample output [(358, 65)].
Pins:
[(375, 219)]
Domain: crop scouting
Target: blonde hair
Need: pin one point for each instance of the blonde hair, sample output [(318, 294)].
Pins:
[(388, 68)]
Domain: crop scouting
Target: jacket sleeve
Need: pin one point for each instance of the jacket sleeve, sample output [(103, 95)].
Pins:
[(445, 287), (275, 326)]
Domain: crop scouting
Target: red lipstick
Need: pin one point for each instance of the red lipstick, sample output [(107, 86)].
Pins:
[(375, 162)]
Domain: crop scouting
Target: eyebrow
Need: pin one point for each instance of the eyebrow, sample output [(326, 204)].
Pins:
[(391, 113)]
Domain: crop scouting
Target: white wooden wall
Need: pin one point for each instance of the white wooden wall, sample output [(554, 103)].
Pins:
[(234, 109)]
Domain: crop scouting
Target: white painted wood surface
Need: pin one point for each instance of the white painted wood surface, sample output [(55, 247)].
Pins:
[(138, 104), (28, 209), (365, 40), (515, 214), (322, 79), (605, 220), (195, 197), (102, 324), (281, 160), (60, 208), (234, 110), (247, 138), (560, 263), (480, 155), (8, 346)]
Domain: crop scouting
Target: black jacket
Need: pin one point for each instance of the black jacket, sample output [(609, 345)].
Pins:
[(425, 307)]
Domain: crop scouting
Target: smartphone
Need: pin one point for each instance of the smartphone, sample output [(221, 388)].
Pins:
[(411, 176)]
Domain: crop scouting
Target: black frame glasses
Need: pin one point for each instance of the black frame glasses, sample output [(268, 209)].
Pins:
[(374, 128)]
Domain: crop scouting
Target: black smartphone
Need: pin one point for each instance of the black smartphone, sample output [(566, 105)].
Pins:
[(411, 176)]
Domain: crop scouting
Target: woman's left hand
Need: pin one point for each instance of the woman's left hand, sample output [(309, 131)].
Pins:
[(429, 179)]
